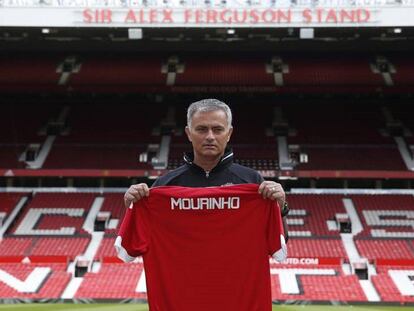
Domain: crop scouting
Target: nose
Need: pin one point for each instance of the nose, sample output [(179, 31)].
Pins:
[(210, 135)]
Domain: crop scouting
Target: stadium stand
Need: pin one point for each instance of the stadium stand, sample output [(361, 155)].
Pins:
[(94, 156), (83, 146), (111, 70), (385, 213), (313, 237), (9, 155), (355, 137), (113, 204), (44, 246), (175, 157), (385, 249), (317, 70), (8, 202), (23, 70), (352, 158), (351, 134), (403, 68), (87, 121), (401, 118), (224, 71), (106, 249), (23, 128), (60, 213), (112, 281), (70, 247), (317, 283), (33, 280), (15, 246), (80, 145), (315, 248), (19, 131), (98, 73), (310, 214), (389, 278)]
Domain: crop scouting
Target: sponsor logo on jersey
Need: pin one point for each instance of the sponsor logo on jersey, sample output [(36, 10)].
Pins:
[(205, 203)]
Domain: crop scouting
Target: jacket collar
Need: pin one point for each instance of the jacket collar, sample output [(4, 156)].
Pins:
[(225, 160)]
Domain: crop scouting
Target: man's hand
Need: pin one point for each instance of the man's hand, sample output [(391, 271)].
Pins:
[(273, 191), (135, 193)]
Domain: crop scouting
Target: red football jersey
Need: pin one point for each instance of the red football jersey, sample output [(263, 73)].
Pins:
[(204, 248)]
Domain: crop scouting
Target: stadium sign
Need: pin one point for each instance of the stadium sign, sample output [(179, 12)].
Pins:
[(206, 13), (220, 17), (180, 4)]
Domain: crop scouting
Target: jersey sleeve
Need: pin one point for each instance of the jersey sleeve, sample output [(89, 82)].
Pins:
[(132, 240), (275, 233)]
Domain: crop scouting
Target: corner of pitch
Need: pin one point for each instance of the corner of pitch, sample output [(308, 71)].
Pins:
[(220, 203)]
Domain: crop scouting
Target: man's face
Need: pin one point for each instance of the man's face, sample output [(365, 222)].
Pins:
[(209, 134)]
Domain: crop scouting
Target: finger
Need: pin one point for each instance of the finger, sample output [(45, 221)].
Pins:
[(267, 192), (133, 193), (263, 190), (280, 193), (146, 189), (126, 202), (136, 187), (277, 187), (142, 189), (262, 186), (277, 195), (128, 199), (141, 193)]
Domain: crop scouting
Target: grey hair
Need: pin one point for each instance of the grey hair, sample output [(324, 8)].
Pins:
[(206, 105)]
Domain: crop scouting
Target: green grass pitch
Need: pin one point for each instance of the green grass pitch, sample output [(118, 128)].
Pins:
[(144, 307)]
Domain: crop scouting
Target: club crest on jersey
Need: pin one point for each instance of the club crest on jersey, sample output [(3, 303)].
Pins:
[(205, 203)]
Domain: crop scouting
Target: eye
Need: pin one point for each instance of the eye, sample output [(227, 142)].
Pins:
[(201, 129), (218, 130)]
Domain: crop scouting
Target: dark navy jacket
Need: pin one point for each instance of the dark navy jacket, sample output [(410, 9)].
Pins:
[(224, 173)]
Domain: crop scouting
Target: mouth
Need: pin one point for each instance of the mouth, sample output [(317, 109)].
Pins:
[(208, 146)]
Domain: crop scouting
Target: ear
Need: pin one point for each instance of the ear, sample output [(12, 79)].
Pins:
[(187, 131), (230, 132)]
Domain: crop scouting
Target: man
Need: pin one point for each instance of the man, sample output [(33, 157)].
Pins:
[(209, 129)]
